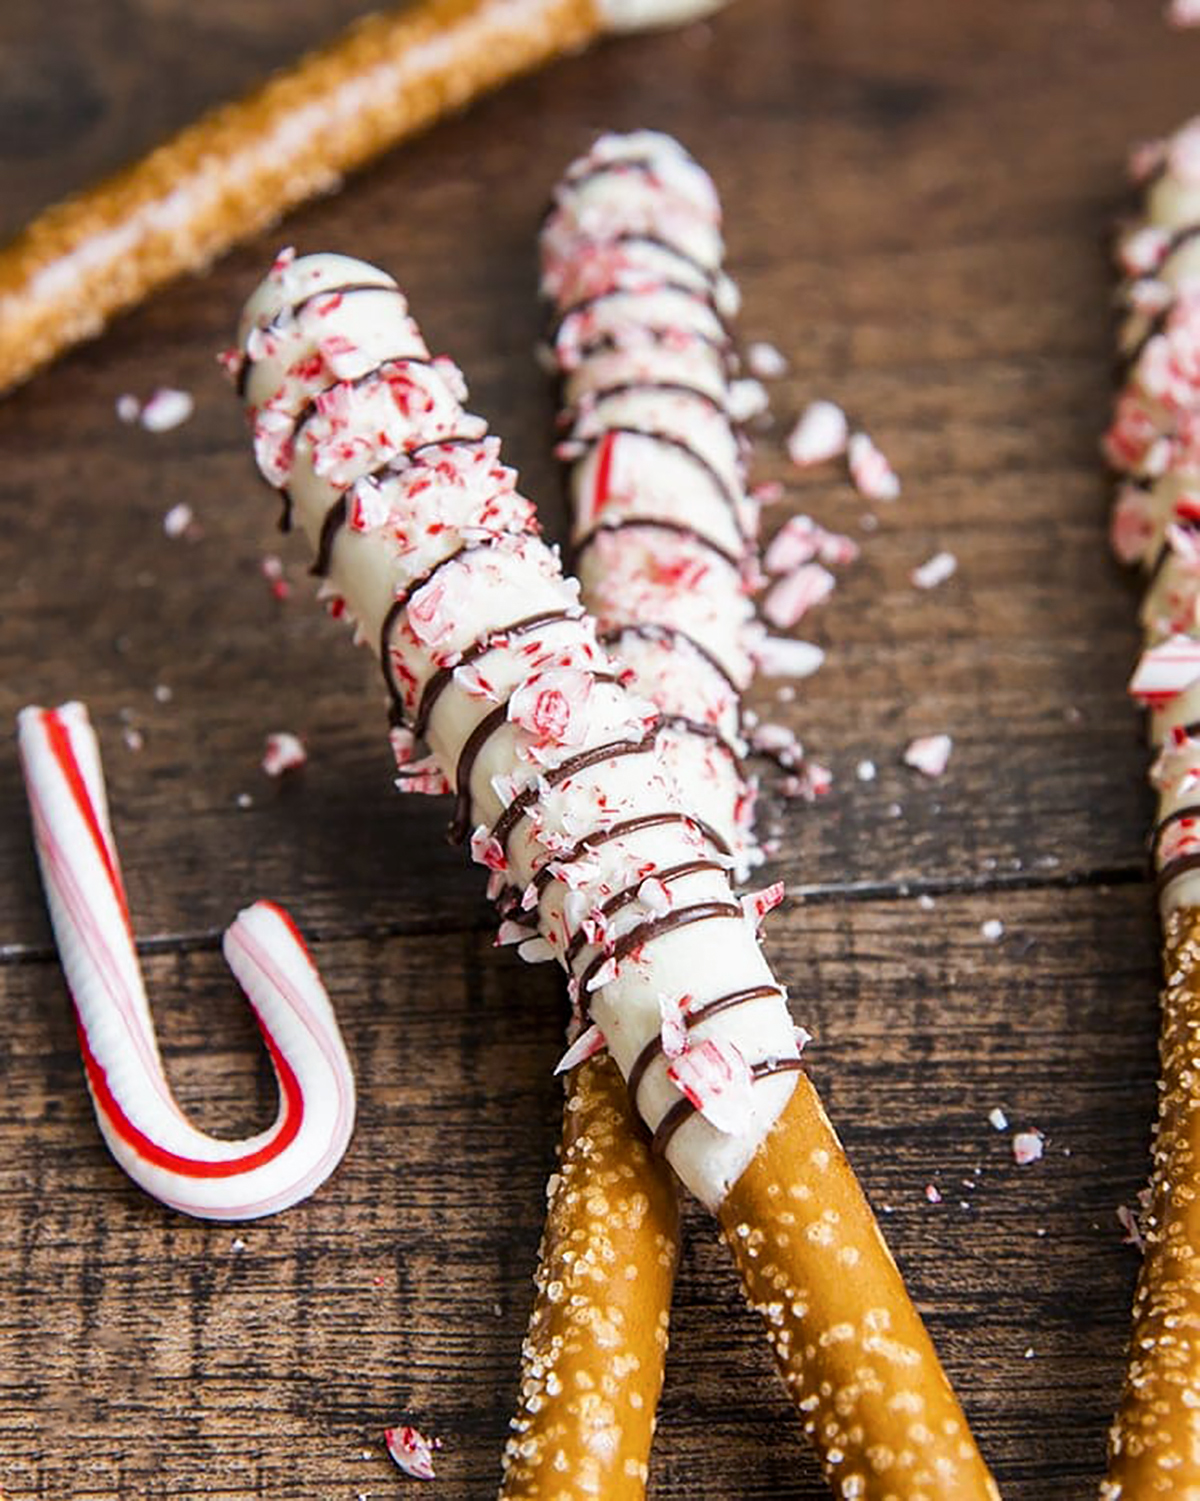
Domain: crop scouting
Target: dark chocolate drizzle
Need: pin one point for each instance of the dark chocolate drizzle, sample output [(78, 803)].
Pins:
[(335, 519), (691, 1019), (593, 399), (702, 295), (681, 445), (524, 800), (1189, 810), (629, 894), (705, 731), (1175, 868), (653, 524), (664, 634), (436, 683), (646, 932), (309, 410), (493, 720), (683, 1110), (1156, 326)]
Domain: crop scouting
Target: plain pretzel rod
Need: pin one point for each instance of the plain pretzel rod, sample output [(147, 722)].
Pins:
[(562, 791), (1154, 1442), (245, 164)]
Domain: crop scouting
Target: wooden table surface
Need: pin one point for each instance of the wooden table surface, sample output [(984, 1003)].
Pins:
[(918, 200)]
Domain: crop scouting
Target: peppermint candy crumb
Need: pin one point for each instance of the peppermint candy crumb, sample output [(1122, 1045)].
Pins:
[(819, 435), (939, 568), (779, 657), (1183, 13), (765, 361), (746, 399), (866, 770), (128, 407), (411, 1450), (932, 1194), (167, 408), (178, 520), (871, 474), (1027, 1147), (589, 1042), (992, 929), (284, 752), (929, 754), (791, 598), (1133, 1231), (997, 1119)]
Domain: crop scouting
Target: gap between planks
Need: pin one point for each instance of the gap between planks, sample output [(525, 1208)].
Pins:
[(803, 896)]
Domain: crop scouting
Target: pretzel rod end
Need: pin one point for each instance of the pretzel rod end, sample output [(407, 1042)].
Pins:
[(651, 15), (855, 1357), (592, 1364), (1153, 1448)]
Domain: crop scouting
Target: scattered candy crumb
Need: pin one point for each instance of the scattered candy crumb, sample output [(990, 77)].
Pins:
[(746, 399), (765, 361), (128, 407), (932, 1194), (819, 435), (1133, 1231), (778, 657), (244, 800), (791, 598), (272, 571), (1027, 1147), (1183, 13), (939, 568), (411, 1450), (992, 929), (998, 1119), (926, 902), (284, 752), (167, 408), (237, 1244), (873, 477), (177, 520), (134, 740), (865, 771), (1029, 1352), (929, 754), (163, 694)]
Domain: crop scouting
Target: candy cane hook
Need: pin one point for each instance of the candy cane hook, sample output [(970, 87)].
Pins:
[(145, 1129)]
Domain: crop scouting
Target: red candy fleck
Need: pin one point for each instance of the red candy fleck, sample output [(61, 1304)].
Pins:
[(411, 1450)]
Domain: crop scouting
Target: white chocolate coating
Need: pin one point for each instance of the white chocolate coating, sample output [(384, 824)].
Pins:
[(339, 433)]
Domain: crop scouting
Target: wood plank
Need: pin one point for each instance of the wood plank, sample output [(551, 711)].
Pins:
[(159, 1360)]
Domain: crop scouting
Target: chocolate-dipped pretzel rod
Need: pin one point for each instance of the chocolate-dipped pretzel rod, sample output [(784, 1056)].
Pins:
[(556, 769), (664, 536), (1154, 1443), (646, 585), (237, 169)]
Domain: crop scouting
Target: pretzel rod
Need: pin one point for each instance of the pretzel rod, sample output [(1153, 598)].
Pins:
[(665, 541), (240, 167), (592, 1362), (146, 1131), (555, 765), (1154, 1442)]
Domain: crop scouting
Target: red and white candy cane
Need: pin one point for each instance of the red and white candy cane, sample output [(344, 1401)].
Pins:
[(145, 1129)]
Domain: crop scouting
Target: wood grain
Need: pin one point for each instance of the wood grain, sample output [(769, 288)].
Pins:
[(918, 201)]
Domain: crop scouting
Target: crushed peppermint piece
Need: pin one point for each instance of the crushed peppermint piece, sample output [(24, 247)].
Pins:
[(780, 657), (992, 929), (177, 520), (237, 1244), (932, 1194), (791, 598), (128, 407), (746, 399), (1131, 525), (873, 477), (1133, 1231), (1165, 671), (654, 896), (589, 1042), (284, 752), (757, 904), (929, 754), (716, 1079), (939, 568), (411, 1450), (672, 1029), (926, 902), (865, 770), (244, 800), (811, 782), (1027, 1147), (536, 951), (134, 740), (1183, 13), (272, 570), (998, 1119), (162, 693), (801, 539), (819, 435), (487, 850), (765, 361), (167, 408), (1029, 1352)]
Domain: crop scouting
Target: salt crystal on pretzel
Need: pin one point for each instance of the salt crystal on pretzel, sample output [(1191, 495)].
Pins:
[(146, 1131)]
